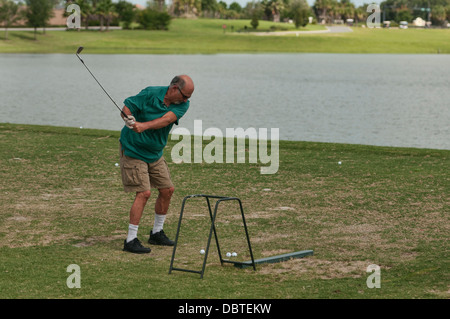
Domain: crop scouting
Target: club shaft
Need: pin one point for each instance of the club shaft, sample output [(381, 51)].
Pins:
[(121, 111)]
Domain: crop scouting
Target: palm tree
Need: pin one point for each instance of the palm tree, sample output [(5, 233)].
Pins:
[(347, 9), (209, 7), (324, 9), (360, 14), (277, 6), (105, 10), (186, 6), (86, 11)]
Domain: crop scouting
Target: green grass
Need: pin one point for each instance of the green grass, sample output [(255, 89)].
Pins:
[(62, 203), (205, 36)]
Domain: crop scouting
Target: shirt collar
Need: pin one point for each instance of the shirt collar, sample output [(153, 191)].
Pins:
[(162, 93)]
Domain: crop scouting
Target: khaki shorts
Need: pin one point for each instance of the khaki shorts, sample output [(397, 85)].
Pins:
[(139, 176)]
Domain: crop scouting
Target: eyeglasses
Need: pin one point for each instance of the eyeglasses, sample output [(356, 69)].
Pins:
[(184, 96)]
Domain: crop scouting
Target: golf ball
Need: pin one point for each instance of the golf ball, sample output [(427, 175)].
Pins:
[(202, 251), (228, 254), (233, 254), (339, 162), (117, 164)]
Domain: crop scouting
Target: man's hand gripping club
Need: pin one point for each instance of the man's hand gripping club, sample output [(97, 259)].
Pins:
[(155, 124), (129, 121)]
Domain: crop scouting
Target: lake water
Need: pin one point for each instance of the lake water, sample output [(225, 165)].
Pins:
[(375, 99)]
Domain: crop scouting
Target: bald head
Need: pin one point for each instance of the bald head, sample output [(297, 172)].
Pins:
[(180, 90), (184, 82)]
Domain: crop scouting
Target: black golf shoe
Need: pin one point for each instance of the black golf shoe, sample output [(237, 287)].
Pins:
[(136, 247), (160, 238)]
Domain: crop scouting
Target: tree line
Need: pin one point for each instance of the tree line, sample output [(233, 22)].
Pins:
[(328, 11), (157, 15), (436, 11), (36, 13)]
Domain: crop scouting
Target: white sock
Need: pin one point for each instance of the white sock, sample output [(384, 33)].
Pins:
[(132, 232), (159, 223)]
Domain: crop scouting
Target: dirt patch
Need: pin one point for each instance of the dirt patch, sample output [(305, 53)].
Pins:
[(18, 218), (313, 268), (91, 241)]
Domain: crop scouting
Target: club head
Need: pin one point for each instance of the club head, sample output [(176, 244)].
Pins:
[(79, 50)]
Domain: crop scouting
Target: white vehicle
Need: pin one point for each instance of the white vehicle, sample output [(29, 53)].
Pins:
[(403, 25)]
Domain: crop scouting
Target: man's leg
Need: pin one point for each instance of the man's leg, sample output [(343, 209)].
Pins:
[(138, 207), (132, 171), (136, 213), (132, 243), (162, 205), (157, 236)]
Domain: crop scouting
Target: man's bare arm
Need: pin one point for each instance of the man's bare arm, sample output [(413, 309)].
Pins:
[(155, 124), (125, 110)]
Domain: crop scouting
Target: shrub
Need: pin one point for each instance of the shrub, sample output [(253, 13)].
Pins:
[(153, 20), (254, 21)]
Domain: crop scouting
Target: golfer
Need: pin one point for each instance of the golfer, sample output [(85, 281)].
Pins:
[(151, 115)]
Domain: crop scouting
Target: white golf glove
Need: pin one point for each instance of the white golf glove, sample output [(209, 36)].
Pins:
[(130, 121)]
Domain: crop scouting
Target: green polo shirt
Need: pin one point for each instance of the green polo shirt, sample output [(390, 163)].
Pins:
[(146, 106)]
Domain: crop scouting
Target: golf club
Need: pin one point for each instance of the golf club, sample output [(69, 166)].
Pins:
[(78, 52)]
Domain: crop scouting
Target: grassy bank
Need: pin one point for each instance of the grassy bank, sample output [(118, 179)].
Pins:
[(206, 36), (62, 203)]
